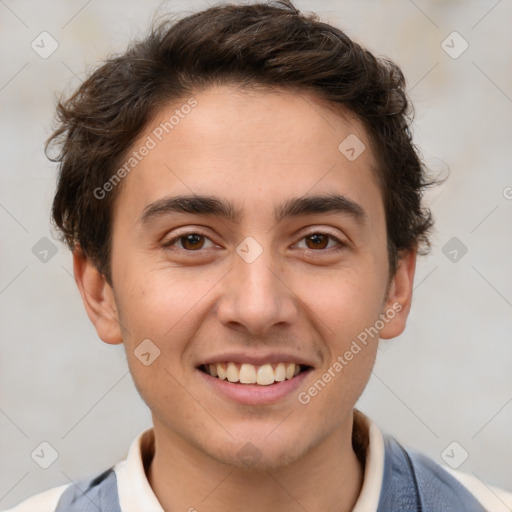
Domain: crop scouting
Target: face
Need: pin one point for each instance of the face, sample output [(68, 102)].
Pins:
[(257, 280)]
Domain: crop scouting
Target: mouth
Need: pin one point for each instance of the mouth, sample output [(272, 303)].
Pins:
[(268, 374)]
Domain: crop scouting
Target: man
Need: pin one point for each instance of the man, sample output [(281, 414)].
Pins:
[(243, 203)]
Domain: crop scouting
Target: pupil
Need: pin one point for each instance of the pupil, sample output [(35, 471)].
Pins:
[(318, 240), (192, 240)]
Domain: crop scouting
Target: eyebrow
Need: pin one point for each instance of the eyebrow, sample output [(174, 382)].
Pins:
[(218, 207)]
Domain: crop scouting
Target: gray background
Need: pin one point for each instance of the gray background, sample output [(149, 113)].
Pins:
[(447, 378)]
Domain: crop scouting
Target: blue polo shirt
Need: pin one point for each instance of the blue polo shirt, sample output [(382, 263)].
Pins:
[(396, 479)]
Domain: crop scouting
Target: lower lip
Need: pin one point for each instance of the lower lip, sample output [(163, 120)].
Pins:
[(254, 394)]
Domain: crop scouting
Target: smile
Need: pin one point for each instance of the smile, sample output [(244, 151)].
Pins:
[(246, 373)]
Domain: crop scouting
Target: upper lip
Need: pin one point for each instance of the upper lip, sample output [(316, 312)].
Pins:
[(256, 359)]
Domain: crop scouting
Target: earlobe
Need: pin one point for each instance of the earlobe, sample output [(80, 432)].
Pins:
[(398, 302), (98, 298)]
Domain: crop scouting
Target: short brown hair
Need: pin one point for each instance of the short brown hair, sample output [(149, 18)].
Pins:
[(270, 45)]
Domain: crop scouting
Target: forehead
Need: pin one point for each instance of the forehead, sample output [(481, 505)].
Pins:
[(253, 147)]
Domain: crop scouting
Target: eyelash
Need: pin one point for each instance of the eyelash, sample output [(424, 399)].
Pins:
[(341, 245)]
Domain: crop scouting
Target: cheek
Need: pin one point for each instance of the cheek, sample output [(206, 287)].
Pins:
[(166, 306), (348, 311), (346, 301), (159, 296)]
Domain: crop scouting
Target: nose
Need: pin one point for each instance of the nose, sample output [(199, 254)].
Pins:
[(256, 296)]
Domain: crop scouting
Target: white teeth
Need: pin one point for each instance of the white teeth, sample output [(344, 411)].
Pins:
[(246, 373), (265, 375), (220, 371), (232, 373), (280, 372)]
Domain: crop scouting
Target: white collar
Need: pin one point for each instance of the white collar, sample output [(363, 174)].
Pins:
[(135, 493)]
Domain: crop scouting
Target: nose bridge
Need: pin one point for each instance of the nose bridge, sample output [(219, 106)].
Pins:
[(254, 295), (257, 278)]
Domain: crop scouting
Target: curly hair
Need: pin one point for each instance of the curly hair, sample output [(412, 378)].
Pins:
[(270, 44)]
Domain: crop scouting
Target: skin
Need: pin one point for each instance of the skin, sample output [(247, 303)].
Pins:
[(256, 149)]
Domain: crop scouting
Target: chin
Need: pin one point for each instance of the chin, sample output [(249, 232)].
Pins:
[(259, 453)]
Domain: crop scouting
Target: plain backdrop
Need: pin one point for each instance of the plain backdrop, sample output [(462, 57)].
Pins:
[(447, 379)]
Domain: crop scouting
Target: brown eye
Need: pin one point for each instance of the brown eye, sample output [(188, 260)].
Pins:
[(190, 242), (321, 243), (317, 241)]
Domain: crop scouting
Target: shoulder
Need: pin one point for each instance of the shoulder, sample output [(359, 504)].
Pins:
[(412, 477), (43, 502), (434, 479), (100, 492), (492, 498), (89, 495)]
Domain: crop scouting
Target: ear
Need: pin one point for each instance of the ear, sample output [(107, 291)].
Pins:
[(98, 299), (398, 301)]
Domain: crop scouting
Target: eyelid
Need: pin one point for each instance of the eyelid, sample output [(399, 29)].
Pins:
[(189, 231), (341, 244), (324, 230)]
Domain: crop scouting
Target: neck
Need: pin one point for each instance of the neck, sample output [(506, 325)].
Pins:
[(328, 477)]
